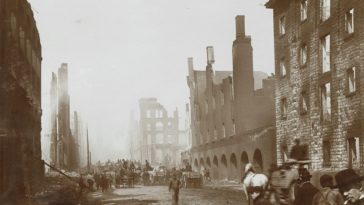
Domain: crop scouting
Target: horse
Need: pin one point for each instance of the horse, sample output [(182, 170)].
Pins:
[(254, 184)]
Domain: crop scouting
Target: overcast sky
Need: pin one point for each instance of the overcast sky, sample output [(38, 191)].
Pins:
[(121, 50)]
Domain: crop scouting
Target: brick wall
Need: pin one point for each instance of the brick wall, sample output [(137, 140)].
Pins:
[(346, 117), (241, 110)]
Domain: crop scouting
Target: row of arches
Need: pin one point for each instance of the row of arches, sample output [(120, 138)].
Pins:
[(227, 166)]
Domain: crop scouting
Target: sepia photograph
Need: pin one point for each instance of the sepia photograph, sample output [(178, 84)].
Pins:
[(181, 102)]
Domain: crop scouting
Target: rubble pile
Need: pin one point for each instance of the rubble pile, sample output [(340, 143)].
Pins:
[(56, 190)]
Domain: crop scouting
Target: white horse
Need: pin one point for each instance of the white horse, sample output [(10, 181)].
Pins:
[(253, 184)]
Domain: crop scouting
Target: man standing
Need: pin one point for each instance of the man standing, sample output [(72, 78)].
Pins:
[(305, 191), (81, 186), (188, 167), (350, 186), (296, 151), (328, 195), (174, 185)]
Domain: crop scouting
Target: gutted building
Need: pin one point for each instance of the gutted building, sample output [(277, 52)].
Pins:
[(159, 134), (64, 145), (20, 100), (318, 63), (232, 123)]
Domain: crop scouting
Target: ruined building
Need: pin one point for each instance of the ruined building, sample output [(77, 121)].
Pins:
[(318, 62), (64, 129), (20, 100), (75, 143), (54, 121), (232, 123), (64, 145), (159, 134)]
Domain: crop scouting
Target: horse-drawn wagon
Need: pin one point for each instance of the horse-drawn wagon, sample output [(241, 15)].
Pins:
[(191, 179), (159, 175)]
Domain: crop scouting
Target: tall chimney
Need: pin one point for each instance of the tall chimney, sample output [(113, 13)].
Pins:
[(190, 65), (240, 26), (210, 55)]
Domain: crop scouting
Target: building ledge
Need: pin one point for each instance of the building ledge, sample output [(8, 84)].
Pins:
[(271, 4)]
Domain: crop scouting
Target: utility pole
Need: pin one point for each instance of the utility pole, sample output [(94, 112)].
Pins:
[(90, 159), (88, 153)]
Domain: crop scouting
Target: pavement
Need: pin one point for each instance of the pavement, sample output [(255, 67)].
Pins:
[(211, 194)]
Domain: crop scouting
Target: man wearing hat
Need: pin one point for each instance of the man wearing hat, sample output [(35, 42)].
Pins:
[(349, 183), (174, 186), (305, 191)]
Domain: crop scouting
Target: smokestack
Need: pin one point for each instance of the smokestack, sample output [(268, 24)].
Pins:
[(210, 55), (240, 26)]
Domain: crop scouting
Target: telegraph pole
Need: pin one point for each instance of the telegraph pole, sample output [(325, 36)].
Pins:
[(88, 153)]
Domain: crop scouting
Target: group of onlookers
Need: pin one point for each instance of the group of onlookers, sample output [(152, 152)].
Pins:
[(348, 189)]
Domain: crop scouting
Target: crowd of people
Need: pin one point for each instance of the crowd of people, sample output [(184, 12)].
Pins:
[(347, 191), (105, 175)]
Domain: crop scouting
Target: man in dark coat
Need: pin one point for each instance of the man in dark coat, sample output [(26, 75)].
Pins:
[(350, 186), (296, 151), (147, 165), (174, 186), (305, 191), (188, 167)]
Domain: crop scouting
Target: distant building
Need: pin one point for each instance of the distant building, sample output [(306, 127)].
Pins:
[(54, 121), (319, 61), (232, 123), (186, 154), (21, 165), (75, 143), (159, 134), (65, 145), (64, 129), (135, 139)]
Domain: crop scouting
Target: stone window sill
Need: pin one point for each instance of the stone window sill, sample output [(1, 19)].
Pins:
[(304, 21), (348, 36), (350, 94), (283, 76), (303, 112)]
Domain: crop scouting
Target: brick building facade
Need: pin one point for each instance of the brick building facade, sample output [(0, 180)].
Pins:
[(159, 134), (232, 123), (20, 100), (319, 80)]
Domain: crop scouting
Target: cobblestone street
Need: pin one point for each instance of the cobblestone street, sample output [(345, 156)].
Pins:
[(159, 195)]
